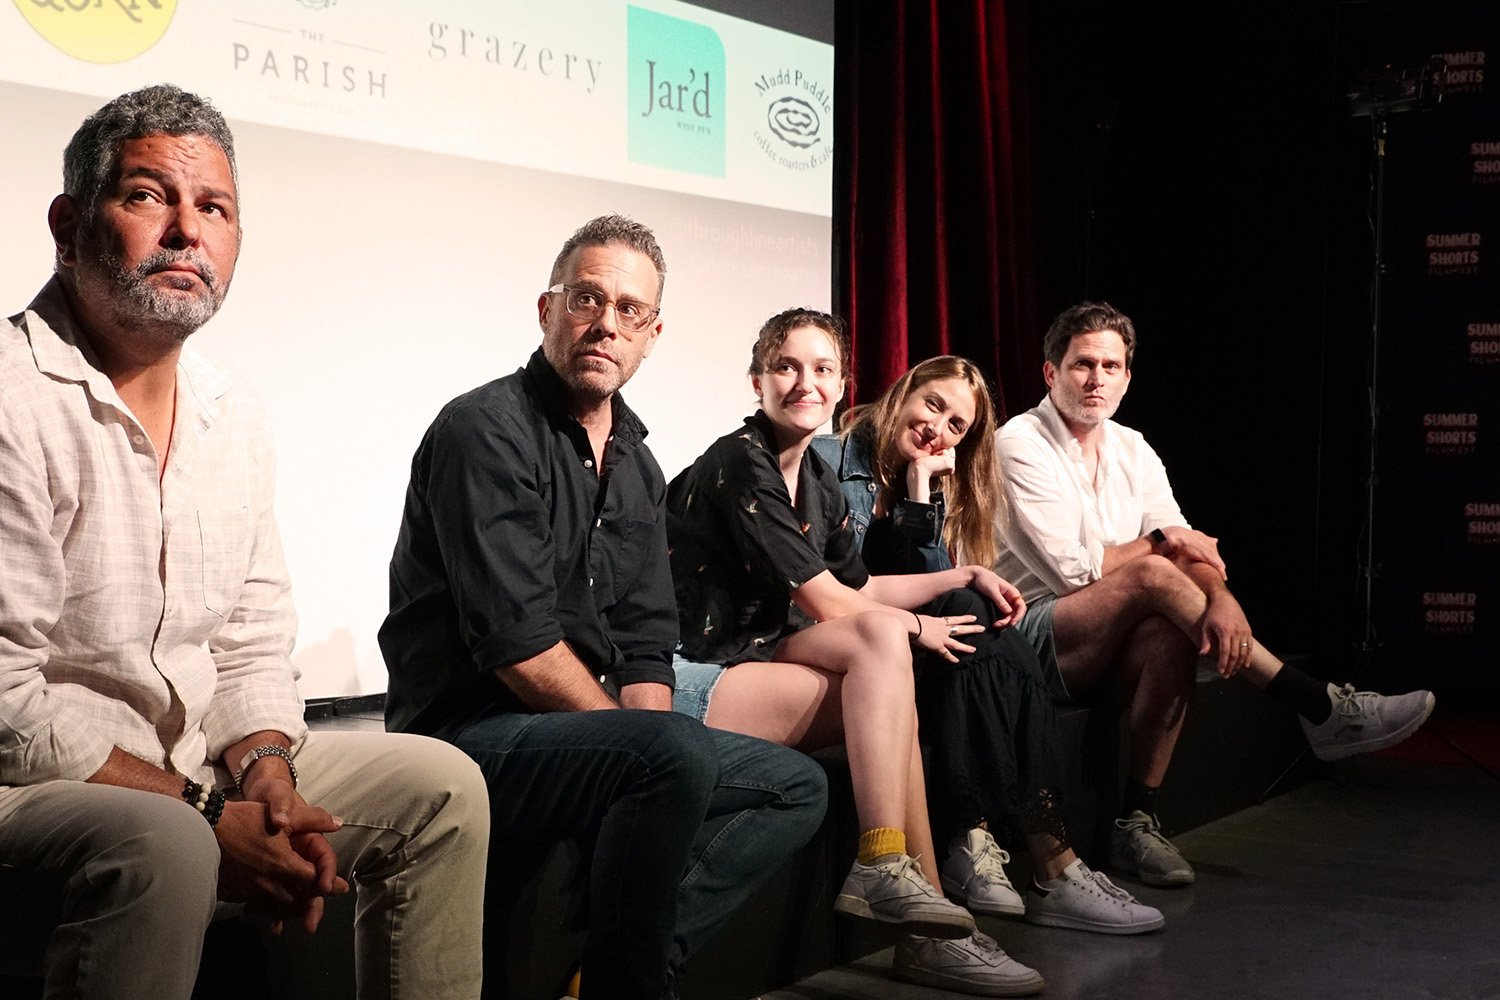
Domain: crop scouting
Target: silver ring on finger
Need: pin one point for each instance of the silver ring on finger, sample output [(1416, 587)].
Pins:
[(952, 631)]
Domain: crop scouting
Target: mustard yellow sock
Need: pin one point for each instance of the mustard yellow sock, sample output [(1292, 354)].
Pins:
[(573, 984), (880, 841)]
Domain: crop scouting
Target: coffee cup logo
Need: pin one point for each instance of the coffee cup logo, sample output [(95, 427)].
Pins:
[(99, 31)]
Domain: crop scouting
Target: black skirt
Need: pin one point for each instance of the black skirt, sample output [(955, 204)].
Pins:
[(990, 728)]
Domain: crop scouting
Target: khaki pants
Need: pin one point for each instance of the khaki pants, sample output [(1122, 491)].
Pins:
[(107, 891)]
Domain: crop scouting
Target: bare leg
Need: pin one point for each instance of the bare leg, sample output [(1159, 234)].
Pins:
[(1048, 861), (849, 678), (1154, 683), (918, 829), (1103, 636)]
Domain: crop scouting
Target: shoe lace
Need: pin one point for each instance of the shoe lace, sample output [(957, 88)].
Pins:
[(907, 868), (1146, 825), (1106, 886), (990, 861), (1349, 702)]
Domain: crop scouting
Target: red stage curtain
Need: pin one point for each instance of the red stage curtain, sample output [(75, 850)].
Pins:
[(933, 241)]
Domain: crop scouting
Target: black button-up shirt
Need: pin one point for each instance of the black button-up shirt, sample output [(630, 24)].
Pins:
[(740, 546), (510, 543)]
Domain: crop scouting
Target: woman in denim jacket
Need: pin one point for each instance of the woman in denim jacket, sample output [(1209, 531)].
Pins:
[(918, 470)]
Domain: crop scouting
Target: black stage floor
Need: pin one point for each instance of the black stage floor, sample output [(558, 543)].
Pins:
[(1376, 882)]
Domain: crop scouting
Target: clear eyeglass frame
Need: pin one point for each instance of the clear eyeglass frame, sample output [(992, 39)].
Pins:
[(627, 319)]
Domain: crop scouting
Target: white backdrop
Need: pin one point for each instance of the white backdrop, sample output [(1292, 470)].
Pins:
[(396, 242)]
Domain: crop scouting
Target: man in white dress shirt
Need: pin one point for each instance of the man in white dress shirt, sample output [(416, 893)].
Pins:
[(153, 757), (1124, 597)]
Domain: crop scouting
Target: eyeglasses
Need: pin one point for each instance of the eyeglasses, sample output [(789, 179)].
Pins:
[(588, 304)]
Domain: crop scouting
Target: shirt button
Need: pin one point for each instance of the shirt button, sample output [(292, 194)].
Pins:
[(138, 439), (871, 487), (588, 463), (591, 581), (598, 522)]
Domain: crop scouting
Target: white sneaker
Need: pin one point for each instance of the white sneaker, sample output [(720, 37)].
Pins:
[(974, 965), (891, 890), (1363, 721), (974, 874), (1086, 900)]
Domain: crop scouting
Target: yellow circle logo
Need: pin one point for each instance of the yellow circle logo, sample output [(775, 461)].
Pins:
[(100, 31)]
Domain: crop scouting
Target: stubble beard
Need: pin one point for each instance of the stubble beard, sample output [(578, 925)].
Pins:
[(141, 306)]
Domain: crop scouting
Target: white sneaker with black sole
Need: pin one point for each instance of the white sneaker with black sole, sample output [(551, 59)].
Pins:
[(1363, 721), (1085, 900), (974, 874)]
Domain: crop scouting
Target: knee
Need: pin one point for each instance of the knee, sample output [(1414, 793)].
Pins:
[(806, 786), (881, 642), (449, 781), (159, 858), (965, 602), (681, 751), (1154, 573)]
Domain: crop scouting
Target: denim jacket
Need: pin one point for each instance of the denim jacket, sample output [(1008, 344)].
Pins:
[(913, 540)]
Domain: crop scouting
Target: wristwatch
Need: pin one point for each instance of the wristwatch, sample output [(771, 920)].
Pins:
[(269, 750), (1158, 538)]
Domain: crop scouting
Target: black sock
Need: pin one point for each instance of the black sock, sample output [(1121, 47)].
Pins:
[(1139, 796), (1307, 695)]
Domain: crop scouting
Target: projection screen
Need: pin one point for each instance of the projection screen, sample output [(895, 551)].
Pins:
[(408, 170)]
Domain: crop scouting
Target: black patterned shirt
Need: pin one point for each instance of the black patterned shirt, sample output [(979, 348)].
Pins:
[(739, 546)]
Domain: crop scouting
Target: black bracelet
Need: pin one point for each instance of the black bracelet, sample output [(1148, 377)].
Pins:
[(204, 799), (919, 627)]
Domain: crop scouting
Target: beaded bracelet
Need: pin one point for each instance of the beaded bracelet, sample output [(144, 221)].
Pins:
[(204, 799)]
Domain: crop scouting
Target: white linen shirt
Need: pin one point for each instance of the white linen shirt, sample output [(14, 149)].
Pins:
[(1060, 522), (157, 619)]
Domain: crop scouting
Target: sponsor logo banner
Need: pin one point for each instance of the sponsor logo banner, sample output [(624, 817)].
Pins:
[(656, 93), (96, 31), (676, 93)]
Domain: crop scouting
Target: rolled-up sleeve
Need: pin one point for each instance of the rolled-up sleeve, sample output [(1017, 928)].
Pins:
[(484, 489)]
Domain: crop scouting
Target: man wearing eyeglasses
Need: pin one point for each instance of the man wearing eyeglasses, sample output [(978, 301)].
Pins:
[(532, 624)]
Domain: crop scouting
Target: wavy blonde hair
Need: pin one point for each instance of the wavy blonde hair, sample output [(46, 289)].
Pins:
[(972, 495)]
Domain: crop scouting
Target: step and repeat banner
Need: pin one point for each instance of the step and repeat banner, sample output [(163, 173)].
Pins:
[(408, 171), (1437, 520)]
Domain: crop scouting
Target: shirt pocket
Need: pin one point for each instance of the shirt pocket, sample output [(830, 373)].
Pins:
[(224, 535)]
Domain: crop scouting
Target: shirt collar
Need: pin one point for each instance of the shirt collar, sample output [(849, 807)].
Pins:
[(1057, 429), (857, 460), (553, 395), (61, 351)]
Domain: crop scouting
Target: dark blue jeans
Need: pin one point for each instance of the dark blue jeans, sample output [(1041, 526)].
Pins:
[(685, 821)]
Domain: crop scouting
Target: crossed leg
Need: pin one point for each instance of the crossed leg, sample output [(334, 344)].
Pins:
[(847, 680)]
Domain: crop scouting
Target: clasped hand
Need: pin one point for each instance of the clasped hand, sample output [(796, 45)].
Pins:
[(275, 858)]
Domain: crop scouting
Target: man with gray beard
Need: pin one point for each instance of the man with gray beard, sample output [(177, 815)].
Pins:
[(153, 757)]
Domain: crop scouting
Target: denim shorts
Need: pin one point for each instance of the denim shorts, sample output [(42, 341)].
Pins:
[(695, 686), (1036, 626)]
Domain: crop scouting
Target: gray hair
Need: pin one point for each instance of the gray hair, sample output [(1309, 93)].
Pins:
[(93, 154), (607, 229)]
